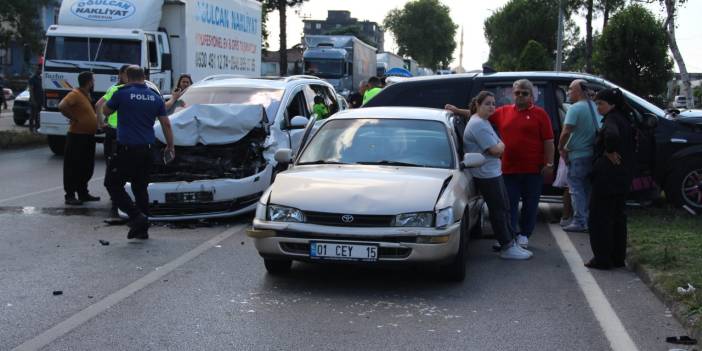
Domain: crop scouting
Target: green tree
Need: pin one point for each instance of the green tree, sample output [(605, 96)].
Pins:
[(633, 52), (534, 57), (265, 10), (509, 29), (281, 6), (423, 30), (20, 21)]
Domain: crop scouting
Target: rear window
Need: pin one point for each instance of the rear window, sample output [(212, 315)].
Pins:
[(434, 94)]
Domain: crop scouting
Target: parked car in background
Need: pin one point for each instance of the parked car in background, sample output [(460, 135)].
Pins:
[(373, 185), (21, 108), (680, 102), (226, 132), (669, 146)]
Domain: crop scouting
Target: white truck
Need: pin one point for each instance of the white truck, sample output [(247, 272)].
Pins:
[(166, 37), (386, 61)]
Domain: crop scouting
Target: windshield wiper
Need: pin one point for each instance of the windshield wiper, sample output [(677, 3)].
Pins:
[(102, 65), (66, 63), (322, 162), (390, 163)]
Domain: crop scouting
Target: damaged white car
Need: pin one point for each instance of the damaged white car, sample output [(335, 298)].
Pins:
[(373, 185), (226, 131)]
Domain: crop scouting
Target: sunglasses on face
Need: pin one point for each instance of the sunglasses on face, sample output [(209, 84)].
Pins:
[(522, 93)]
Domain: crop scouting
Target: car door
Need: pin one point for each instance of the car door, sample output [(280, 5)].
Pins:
[(326, 94), (298, 105)]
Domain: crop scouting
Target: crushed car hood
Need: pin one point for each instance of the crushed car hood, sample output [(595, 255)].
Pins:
[(215, 124), (358, 189)]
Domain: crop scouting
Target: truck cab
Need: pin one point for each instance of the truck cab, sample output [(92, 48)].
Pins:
[(331, 64)]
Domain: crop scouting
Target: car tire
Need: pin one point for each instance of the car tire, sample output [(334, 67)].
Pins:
[(19, 119), (688, 175), (277, 266), (57, 144), (456, 270)]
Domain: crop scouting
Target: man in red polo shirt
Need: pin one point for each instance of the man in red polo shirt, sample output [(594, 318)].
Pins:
[(526, 131)]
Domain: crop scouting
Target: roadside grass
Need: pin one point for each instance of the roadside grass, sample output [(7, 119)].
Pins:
[(668, 243), (10, 139)]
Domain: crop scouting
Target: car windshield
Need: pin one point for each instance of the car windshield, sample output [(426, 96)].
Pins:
[(93, 49), (268, 98), (399, 142), (639, 101)]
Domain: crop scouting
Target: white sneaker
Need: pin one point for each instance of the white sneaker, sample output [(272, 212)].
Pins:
[(514, 252), (566, 221), (522, 241), (531, 254)]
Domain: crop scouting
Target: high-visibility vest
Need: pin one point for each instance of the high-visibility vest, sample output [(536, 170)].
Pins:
[(370, 93), (112, 118)]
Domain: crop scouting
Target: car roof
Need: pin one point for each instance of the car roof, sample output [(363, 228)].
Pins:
[(281, 83), (498, 75), (419, 113)]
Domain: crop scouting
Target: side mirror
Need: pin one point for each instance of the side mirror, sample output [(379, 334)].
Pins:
[(166, 62), (649, 120), (298, 122), (472, 160), (283, 156)]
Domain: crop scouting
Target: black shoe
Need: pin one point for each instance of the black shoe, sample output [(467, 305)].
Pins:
[(72, 201), (597, 265), (138, 227), (88, 198)]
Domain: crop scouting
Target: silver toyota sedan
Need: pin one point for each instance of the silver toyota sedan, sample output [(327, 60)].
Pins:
[(372, 186)]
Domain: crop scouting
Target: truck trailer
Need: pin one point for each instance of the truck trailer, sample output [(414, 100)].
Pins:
[(167, 38), (342, 60), (387, 61)]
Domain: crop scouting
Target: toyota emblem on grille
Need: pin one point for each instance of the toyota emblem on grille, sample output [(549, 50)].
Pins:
[(347, 218)]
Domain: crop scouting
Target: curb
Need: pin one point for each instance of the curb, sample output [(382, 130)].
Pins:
[(11, 140), (679, 310)]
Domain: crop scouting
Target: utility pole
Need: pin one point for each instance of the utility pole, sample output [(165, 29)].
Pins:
[(559, 40), (460, 55)]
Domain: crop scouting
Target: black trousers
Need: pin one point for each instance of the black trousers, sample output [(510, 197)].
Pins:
[(78, 163), (110, 151), (494, 193), (34, 116), (607, 223), (131, 164)]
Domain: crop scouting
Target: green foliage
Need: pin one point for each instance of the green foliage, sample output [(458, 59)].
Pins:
[(20, 21), (509, 30), (423, 30), (534, 57), (354, 30), (697, 93), (633, 52)]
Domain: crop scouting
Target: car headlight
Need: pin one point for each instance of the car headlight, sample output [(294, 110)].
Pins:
[(418, 219), (260, 211), (52, 103), (285, 214), (444, 217)]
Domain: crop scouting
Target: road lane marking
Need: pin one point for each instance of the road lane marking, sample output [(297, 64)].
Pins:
[(42, 191), (113, 299), (612, 326)]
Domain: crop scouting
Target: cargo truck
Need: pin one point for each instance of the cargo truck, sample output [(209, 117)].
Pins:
[(342, 60), (167, 38), (387, 61)]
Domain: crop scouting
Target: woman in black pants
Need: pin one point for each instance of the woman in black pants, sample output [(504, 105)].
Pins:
[(611, 177)]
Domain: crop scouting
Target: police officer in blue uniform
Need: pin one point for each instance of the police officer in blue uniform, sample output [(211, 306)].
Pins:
[(138, 107)]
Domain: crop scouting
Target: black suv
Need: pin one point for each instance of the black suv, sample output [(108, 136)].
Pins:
[(670, 149)]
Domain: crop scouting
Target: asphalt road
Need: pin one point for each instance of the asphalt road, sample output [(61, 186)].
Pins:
[(203, 287)]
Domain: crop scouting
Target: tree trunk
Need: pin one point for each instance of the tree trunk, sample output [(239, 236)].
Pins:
[(283, 39), (588, 37), (605, 15), (673, 44)]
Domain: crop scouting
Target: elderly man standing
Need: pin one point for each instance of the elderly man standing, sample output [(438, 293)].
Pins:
[(529, 149), (576, 146)]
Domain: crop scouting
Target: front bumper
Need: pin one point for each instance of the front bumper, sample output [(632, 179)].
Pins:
[(230, 197), (398, 244), (53, 123)]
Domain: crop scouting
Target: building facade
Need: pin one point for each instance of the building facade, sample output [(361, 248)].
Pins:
[(337, 20)]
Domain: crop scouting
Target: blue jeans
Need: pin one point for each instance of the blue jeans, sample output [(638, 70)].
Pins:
[(527, 188), (578, 173)]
